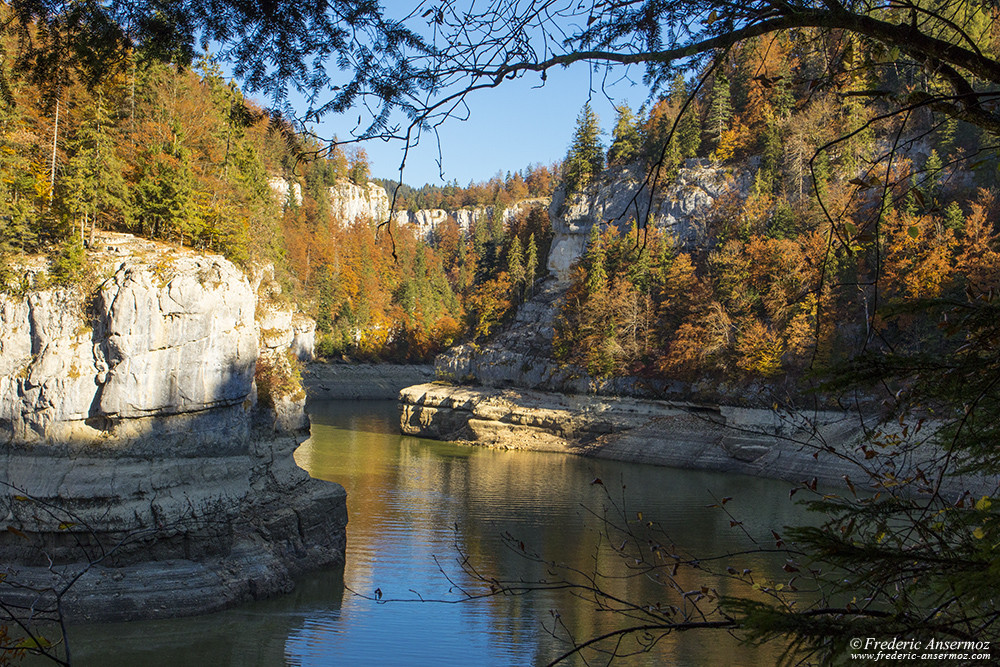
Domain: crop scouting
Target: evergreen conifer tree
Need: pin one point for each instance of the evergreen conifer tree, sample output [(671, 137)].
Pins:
[(625, 142), (720, 111), (93, 185), (689, 127), (530, 266), (586, 155), (515, 264), (597, 277)]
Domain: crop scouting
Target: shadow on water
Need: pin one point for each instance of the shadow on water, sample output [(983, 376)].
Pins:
[(252, 634)]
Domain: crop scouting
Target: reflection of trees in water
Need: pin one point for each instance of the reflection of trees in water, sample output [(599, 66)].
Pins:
[(589, 566), (406, 487)]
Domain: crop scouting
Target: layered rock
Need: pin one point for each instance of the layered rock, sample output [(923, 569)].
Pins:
[(136, 454), (350, 202), (781, 445)]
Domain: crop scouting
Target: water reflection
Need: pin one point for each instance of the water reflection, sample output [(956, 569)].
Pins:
[(414, 506)]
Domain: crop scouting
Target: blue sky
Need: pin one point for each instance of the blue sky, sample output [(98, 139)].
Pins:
[(509, 128)]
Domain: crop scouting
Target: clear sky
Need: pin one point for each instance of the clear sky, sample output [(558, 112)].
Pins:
[(509, 128)]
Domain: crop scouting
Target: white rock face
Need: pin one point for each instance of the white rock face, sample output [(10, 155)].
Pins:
[(426, 221), (303, 344), (131, 409), (622, 195), (170, 334), (178, 343), (284, 192), (350, 202)]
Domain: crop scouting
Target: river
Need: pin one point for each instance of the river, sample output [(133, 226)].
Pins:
[(417, 507)]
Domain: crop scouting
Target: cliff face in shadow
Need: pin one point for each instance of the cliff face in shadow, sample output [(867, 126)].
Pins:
[(148, 424)]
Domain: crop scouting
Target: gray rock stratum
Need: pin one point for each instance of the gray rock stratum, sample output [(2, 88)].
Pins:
[(350, 202), (141, 474), (793, 446)]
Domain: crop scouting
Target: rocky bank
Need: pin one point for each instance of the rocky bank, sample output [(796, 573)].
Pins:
[(148, 422), (367, 382), (796, 446)]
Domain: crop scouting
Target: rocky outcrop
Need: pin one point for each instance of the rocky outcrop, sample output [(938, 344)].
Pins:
[(765, 443), (286, 193), (136, 454), (350, 202), (623, 195)]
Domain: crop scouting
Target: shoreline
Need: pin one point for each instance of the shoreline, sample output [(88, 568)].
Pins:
[(790, 446)]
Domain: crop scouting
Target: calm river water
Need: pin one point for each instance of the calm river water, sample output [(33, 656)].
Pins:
[(415, 506)]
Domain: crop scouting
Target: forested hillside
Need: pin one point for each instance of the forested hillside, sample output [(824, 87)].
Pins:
[(850, 217), (179, 155)]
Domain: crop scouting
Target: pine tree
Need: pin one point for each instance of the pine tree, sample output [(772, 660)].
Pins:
[(93, 186), (530, 266), (515, 264), (625, 142), (17, 210), (597, 277), (689, 127), (932, 171), (720, 111), (953, 216), (586, 155)]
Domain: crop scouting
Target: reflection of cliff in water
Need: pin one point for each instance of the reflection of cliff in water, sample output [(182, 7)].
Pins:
[(253, 634)]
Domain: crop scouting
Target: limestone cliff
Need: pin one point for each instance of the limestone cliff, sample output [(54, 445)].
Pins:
[(135, 450), (425, 222), (624, 194), (350, 202)]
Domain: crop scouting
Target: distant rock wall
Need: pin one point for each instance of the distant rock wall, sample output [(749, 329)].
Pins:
[(350, 202), (130, 427), (365, 382), (623, 194), (426, 221)]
